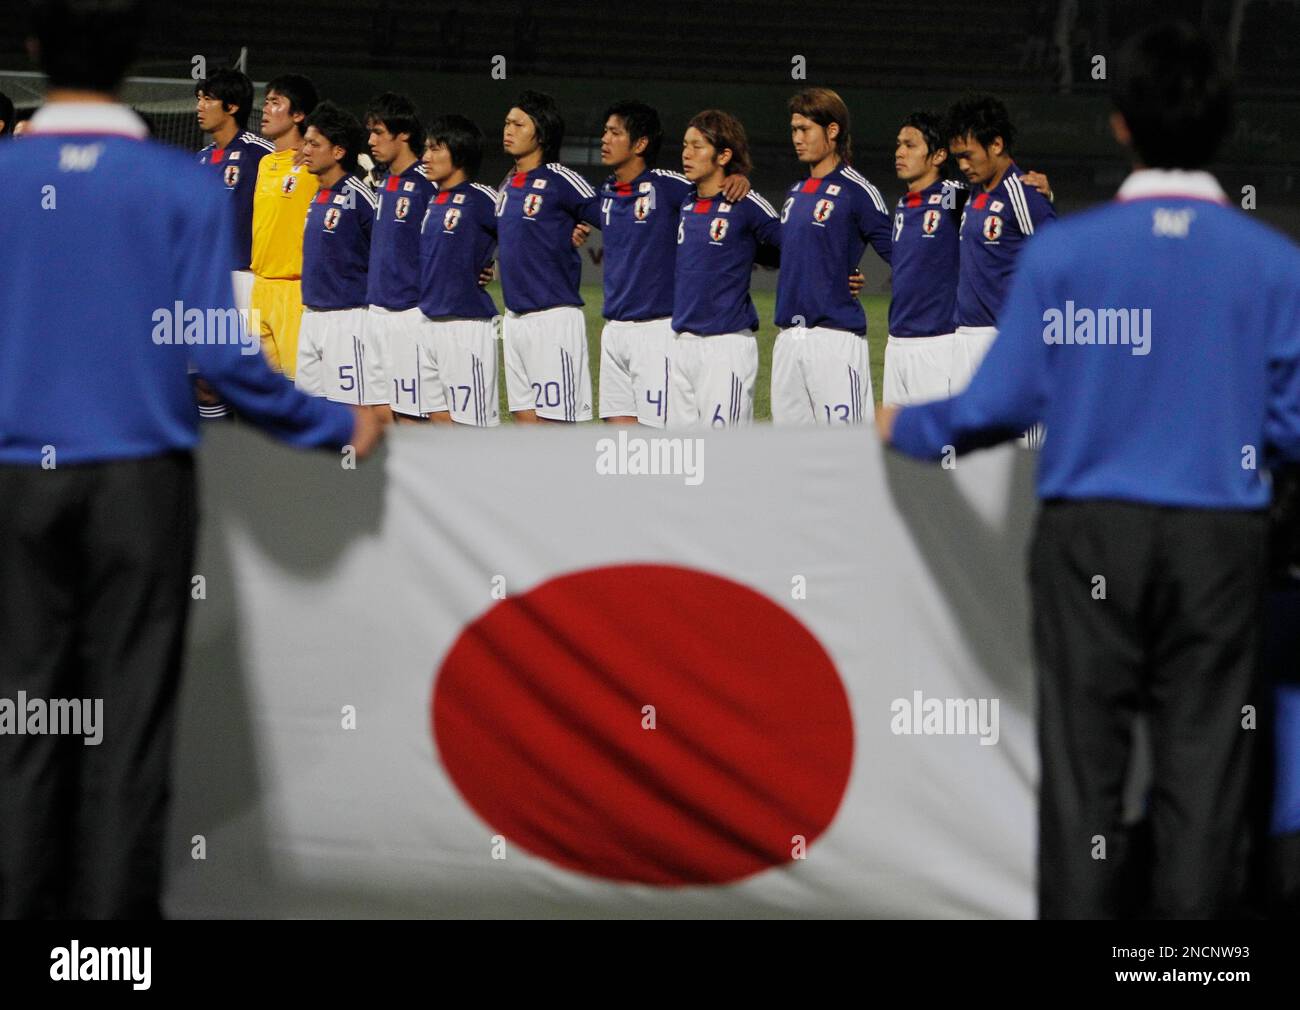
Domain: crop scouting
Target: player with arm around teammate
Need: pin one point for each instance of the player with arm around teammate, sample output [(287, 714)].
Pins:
[(820, 365), (714, 361), (393, 289), (539, 205), (637, 214), (456, 337), (335, 259)]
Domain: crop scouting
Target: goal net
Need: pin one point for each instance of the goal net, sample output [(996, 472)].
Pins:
[(165, 103)]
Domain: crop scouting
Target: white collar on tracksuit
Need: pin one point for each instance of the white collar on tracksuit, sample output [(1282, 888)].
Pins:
[(1174, 182), (87, 117)]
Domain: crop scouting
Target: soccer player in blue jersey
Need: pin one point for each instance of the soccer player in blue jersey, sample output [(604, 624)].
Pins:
[(714, 361), (820, 365), (539, 205), (335, 258), (637, 214), (393, 290), (224, 102), (1000, 216), (456, 344), (927, 221), (1158, 337)]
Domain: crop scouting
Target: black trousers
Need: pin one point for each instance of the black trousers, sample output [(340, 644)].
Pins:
[(1173, 631), (95, 569)]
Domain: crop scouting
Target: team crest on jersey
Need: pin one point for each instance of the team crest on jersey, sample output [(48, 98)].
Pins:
[(289, 184), (539, 184), (451, 219), (993, 227), (930, 222), (532, 204), (718, 229), (996, 206), (458, 198), (937, 198), (642, 207), (823, 209), (832, 190), (230, 176), (402, 207), (332, 218)]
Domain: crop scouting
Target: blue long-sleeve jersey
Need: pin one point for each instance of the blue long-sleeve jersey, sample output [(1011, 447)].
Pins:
[(1158, 338), (638, 221), (536, 213), (926, 260), (393, 278), (114, 252), (716, 245), (826, 224), (458, 238), (236, 166), (996, 224), (336, 246)]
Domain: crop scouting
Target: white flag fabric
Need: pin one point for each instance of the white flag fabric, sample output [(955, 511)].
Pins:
[(505, 674)]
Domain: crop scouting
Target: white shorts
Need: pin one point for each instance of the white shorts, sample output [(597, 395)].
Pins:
[(821, 376), (917, 369), (243, 281), (711, 380), (330, 353), (546, 363), (456, 370), (634, 369), (969, 345), (387, 336)]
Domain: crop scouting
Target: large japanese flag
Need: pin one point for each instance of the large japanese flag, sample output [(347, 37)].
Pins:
[(493, 674)]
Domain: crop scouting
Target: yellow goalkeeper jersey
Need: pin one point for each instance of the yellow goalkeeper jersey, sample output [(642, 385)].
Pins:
[(280, 203)]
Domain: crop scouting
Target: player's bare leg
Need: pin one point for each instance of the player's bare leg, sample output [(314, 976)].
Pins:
[(525, 417)]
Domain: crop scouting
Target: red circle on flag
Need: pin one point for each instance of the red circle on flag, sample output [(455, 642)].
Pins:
[(542, 706)]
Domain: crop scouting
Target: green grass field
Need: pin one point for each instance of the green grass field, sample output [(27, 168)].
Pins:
[(877, 307)]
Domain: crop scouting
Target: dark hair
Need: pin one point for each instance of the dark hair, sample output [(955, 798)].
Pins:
[(6, 114), (87, 44), (341, 129), (299, 90), (545, 114), (930, 127), (229, 87), (1173, 93), (640, 120), (463, 140), (725, 132), (823, 106), (983, 117), (397, 114)]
